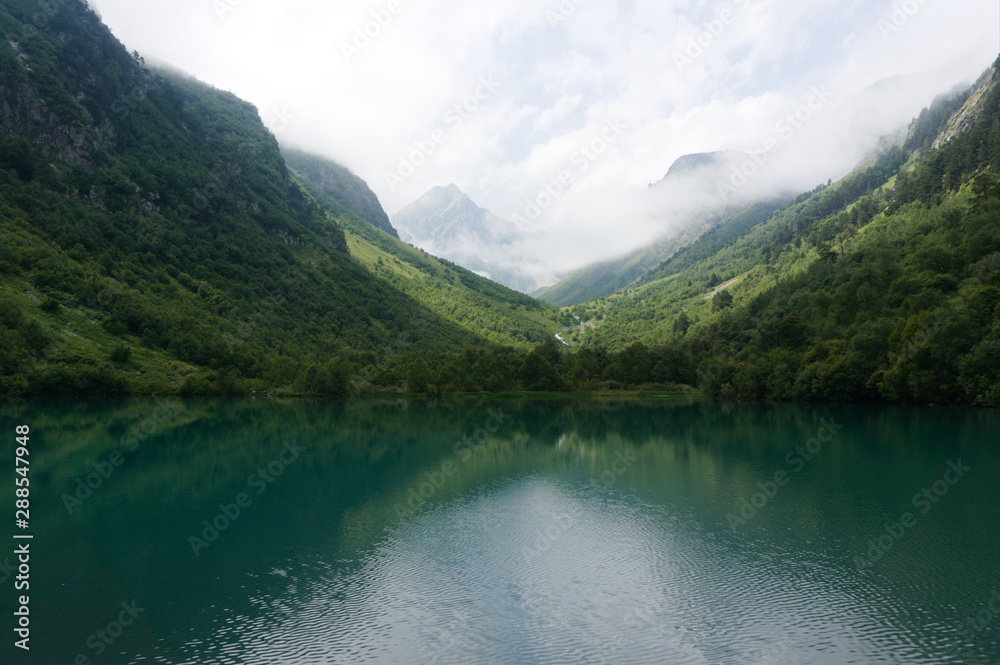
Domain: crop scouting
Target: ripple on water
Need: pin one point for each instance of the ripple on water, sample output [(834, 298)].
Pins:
[(543, 570)]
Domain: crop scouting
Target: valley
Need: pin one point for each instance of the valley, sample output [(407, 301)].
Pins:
[(173, 246), (511, 333)]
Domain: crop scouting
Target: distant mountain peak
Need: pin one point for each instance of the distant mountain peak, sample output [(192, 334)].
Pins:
[(716, 161), (446, 222), (437, 193)]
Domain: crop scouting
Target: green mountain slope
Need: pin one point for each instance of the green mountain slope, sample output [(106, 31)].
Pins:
[(690, 178), (606, 277), (340, 185), (154, 241), (882, 286), (493, 311)]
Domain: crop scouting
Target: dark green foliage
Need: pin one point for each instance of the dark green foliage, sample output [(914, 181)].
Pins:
[(16, 154), (157, 211), (722, 300), (120, 354), (682, 324), (342, 186)]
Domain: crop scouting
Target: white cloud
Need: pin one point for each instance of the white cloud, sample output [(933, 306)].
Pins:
[(559, 84)]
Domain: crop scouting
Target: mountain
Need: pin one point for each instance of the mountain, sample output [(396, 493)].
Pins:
[(446, 222), (704, 168), (883, 286), (155, 241), (340, 185), (606, 277), (445, 288), (689, 200), (877, 115)]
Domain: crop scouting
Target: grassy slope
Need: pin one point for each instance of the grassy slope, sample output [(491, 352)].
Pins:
[(493, 311), (607, 277), (601, 279), (166, 248), (761, 246), (883, 286)]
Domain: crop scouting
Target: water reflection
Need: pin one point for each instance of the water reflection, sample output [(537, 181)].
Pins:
[(577, 531)]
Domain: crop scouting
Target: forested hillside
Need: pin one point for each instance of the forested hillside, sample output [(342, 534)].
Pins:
[(881, 286), (340, 186), (884, 286), (153, 240), (494, 311)]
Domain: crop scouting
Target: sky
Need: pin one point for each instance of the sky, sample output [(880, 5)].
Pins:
[(557, 114)]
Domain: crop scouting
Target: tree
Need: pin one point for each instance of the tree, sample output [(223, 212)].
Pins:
[(418, 375), (16, 153), (825, 253), (984, 187), (537, 373), (722, 300), (120, 354), (682, 323), (790, 333)]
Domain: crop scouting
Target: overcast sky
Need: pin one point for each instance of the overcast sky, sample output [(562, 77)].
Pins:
[(501, 98)]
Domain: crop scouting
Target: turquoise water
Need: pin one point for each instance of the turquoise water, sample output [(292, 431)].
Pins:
[(254, 531)]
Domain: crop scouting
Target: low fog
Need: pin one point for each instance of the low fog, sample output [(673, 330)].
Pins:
[(818, 137), (557, 116)]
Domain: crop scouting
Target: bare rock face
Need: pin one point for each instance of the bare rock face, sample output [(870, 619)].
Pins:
[(445, 222), (54, 102), (962, 120)]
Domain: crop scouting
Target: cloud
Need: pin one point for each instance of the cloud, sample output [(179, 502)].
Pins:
[(367, 81)]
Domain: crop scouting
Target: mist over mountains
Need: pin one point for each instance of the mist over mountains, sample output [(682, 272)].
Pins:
[(557, 85), (159, 237), (618, 226), (446, 222)]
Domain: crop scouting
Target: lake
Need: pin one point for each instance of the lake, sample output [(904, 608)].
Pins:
[(489, 531)]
